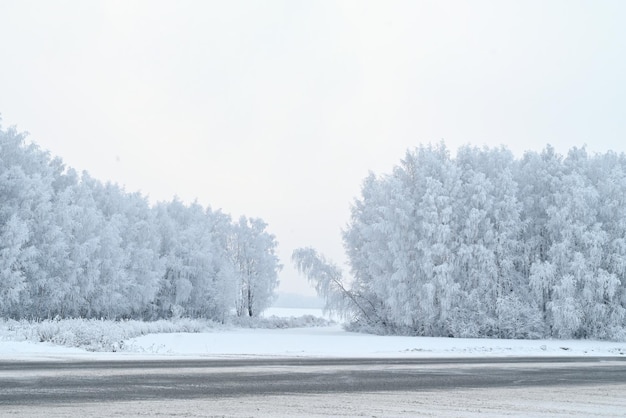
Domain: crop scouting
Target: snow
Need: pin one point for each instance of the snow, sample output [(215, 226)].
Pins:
[(334, 342), (27, 348), (328, 341), (573, 401)]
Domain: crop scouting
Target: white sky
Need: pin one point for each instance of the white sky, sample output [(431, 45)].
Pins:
[(278, 109)]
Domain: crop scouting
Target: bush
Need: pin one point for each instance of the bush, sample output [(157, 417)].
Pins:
[(109, 335), (92, 334)]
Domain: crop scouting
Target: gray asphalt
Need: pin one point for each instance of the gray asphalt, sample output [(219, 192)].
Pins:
[(40, 383)]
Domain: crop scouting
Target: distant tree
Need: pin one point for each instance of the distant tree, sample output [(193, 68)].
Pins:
[(328, 282), (256, 265)]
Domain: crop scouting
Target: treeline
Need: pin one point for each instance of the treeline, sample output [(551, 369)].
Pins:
[(485, 245), (71, 246)]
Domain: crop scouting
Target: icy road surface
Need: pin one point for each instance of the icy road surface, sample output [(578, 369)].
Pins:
[(316, 387)]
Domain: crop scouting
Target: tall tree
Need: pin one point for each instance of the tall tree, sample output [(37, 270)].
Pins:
[(256, 265)]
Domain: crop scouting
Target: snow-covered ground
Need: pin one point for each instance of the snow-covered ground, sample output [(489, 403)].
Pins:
[(334, 342), (329, 341)]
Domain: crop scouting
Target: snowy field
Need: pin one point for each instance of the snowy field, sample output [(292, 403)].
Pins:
[(327, 341)]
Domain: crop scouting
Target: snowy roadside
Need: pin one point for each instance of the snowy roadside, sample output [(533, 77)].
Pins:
[(327, 341)]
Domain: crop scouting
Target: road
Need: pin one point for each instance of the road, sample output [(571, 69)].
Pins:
[(39, 386), (55, 382)]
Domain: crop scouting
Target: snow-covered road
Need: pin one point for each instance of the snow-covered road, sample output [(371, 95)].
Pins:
[(315, 388), (579, 401)]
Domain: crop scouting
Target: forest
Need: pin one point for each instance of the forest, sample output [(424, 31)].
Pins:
[(73, 247), (475, 244), (484, 244)]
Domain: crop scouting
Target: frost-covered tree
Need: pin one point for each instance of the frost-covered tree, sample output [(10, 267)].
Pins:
[(489, 227), (29, 236), (399, 240), (13, 256), (253, 252), (352, 303), (198, 278)]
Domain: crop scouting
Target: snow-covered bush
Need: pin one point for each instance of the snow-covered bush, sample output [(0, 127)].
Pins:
[(304, 321), (92, 334), (109, 336)]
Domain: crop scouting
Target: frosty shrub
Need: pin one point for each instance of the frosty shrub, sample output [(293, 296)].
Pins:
[(272, 322), (109, 336), (92, 334)]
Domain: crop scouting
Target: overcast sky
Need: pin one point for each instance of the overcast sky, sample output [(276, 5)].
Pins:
[(278, 109)]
